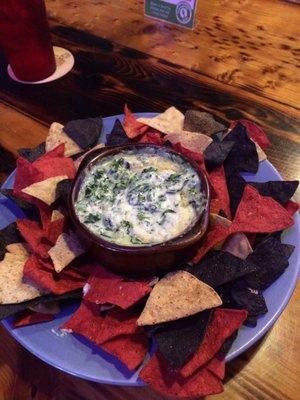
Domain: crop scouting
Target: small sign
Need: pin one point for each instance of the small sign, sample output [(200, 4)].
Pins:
[(179, 12)]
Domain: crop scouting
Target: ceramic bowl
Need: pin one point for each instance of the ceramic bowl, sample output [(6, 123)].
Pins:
[(139, 261)]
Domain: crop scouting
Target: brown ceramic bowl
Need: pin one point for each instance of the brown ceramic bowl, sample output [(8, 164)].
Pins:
[(142, 260)]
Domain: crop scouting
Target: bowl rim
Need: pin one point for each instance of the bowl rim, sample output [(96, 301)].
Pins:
[(186, 239)]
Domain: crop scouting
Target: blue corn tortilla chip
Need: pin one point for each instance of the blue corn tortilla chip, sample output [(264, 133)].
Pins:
[(30, 210), (63, 189), (84, 132), (202, 122), (220, 267), (33, 154), (6, 310), (8, 235), (251, 321), (117, 136), (216, 153), (272, 258), (243, 155), (177, 340), (281, 191), (235, 185), (248, 298)]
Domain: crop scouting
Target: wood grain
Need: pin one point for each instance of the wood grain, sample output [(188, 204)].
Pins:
[(249, 44)]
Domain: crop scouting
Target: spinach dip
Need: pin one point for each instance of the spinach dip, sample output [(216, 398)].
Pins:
[(140, 197)]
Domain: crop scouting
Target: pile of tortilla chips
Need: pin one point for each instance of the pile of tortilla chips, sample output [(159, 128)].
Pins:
[(191, 315)]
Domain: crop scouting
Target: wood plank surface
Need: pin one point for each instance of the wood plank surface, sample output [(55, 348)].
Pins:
[(249, 44)]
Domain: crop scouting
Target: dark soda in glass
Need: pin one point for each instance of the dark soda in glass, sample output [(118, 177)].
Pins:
[(25, 39)]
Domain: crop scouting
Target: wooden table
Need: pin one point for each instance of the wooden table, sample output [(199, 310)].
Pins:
[(240, 61)]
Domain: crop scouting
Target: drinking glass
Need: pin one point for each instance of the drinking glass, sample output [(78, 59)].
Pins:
[(25, 39)]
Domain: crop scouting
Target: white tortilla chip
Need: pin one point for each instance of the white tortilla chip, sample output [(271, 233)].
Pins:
[(218, 219), (169, 121), (56, 215), (193, 141), (12, 288), (45, 190), (261, 154), (66, 249), (178, 295), (238, 245), (57, 136)]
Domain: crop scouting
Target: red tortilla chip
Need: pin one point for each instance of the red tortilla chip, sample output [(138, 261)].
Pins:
[(106, 287), (167, 381), (55, 164), (153, 137), (217, 366), (54, 229), (86, 321), (34, 236), (42, 274), (291, 207), (255, 132), (118, 322), (224, 322), (259, 214), (216, 233), (131, 126), (221, 200), (131, 350), (197, 157), (29, 317), (26, 174)]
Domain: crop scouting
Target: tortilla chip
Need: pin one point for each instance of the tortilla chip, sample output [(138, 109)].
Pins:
[(9, 234), (281, 191), (196, 157), (218, 231), (48, 307), (272, 258), (248, 298), (152, 137), (291, 207), (57, 136), (255, 132), (243, 155), (177, 340), (216, 153), (169, 121), (238, 245), (223, 324), (259, 214), (26, 174), (221, 267), (260, 153), (221, 200), (34, 236), (56, 215), (131, 126), (117, 136), (203, 122), (33, 154), (129, 349), (9, 309), (45, 190), (177, 295), (42, 274), (66, 249), (84, 132), (217, 366), (107, 287), (168, 381), (193, 141), (12, 288), (29, 317)]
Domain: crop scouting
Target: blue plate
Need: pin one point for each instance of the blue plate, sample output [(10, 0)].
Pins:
[(77, 356)]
